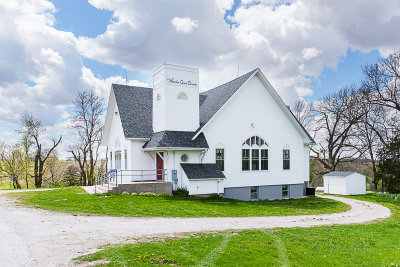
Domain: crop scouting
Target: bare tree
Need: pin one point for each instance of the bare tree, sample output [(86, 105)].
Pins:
[(32, 127), (12, 164), (335, 120), (302, 110), (382, 81), (372, 133), (53, 170), (88, 125), (26, 143)]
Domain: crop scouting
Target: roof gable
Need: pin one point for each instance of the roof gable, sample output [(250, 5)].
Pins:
[(239, 85), (212, 100)]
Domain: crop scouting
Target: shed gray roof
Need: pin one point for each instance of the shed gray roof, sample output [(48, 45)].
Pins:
[(339, 174), (135, 105), (176, 139), (202, 171)]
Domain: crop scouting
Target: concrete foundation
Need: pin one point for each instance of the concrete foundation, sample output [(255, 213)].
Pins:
[(264, 192), (143, 187)]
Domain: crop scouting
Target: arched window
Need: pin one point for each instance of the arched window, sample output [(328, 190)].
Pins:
[(254, 154)]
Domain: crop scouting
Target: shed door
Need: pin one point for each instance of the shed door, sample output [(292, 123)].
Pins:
[(160, 165)]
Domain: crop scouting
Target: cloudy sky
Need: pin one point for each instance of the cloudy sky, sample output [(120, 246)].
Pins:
[(307, 48)]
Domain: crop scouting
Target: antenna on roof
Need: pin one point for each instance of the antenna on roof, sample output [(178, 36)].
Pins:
[(237, 72), (126, 78)]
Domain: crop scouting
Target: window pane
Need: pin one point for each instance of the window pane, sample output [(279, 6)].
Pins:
[(286, 164), (264, 159), (286, 159), (245, 159), (219, 158), (286, 154), (255, 159), (285, 190), (126, 159), (111, 161), (254, 192), (260, 142), (118, 159)]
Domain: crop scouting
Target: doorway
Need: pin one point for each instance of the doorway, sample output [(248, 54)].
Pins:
[(160, 165)]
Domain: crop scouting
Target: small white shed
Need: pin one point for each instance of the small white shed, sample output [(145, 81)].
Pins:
[(345, 183)]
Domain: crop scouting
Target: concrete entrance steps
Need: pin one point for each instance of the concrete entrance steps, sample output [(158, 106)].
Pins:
[(133, 187), (105, 188), (100, 189)]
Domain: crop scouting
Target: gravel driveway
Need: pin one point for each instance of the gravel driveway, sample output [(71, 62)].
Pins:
[(34, 237)]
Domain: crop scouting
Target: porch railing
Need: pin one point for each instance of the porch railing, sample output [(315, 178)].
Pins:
[(130, 176)]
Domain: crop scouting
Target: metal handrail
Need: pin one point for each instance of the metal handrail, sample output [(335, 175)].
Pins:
[(143, 174)]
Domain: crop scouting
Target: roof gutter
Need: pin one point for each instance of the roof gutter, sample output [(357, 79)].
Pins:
[(174, 148), (138, 139)]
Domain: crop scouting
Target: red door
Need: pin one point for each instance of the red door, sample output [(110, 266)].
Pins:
[(160, 165)]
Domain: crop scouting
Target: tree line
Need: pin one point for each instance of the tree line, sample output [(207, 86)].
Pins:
[(33, 161), (358, 124)]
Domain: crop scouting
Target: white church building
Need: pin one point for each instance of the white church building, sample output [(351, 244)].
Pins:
[(238, 140)]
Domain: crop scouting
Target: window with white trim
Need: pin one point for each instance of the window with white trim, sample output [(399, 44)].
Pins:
[(254, 154), (118, 159), (286, 159), (126, 158), (219, 158), (254, 192), (111, 159), (285, 191)]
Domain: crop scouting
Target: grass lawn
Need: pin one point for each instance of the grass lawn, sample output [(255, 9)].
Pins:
[(73, 199), (375, 244)]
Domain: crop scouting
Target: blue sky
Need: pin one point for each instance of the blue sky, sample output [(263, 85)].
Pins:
[(54, 48)]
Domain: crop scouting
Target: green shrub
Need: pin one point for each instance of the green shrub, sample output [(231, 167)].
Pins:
[(125, 193), (147, 194), (181, 192), (133, 194), (215, 196), (165, 195), (150, 194)]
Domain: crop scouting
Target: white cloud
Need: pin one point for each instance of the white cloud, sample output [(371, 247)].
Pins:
[(33, 50), (286, 39), (184, 25), (102, 86), (291, 41), (224, 5), (52, 56), (310, 53)]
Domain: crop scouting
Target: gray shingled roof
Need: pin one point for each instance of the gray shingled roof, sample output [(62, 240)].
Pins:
[(339, 174), (215, 98), (135, 105), (202, 171), (176, 139)]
